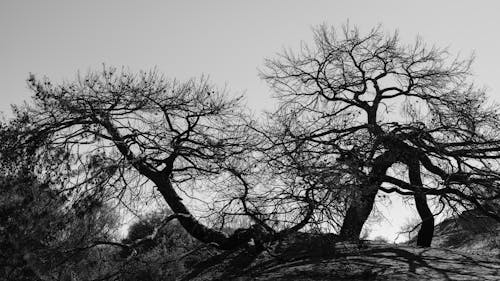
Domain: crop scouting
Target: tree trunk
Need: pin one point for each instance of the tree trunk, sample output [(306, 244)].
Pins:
[(362, 205), (174, 201), (358, 213), (426, 232), (193, 226)]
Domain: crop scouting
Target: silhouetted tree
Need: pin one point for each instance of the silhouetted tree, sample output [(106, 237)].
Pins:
[(124, 134), (380, 107)]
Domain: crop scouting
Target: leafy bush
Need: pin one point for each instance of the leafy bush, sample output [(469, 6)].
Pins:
[(164, 256)]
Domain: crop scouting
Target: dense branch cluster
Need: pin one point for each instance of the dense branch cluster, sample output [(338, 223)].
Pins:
[(377, 102)]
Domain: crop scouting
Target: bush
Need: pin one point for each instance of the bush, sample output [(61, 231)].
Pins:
[(159, 258)]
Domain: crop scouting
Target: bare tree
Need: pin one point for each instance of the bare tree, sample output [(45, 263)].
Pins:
[(123, 134), (380, 107)]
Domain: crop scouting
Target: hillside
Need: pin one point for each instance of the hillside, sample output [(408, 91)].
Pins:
[(471, 232), (320, 257)]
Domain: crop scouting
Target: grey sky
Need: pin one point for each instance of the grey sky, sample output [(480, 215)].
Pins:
[(224, 39), (227, 40)]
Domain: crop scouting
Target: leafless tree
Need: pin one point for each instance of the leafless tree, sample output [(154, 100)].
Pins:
[(379, 108), (124, 134)]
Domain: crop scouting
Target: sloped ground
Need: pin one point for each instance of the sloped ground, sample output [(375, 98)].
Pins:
[(307, 257), (471, 232)]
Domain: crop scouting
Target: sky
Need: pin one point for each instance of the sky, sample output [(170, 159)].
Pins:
[(226, 40)]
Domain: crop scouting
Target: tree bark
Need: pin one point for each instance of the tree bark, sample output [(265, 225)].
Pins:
[(361, 207), (426, 232)]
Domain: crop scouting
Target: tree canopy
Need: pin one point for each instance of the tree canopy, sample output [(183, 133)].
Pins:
[(382, 107), (136, 137)]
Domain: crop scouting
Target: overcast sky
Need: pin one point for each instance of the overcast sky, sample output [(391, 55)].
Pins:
[(227, 40)]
